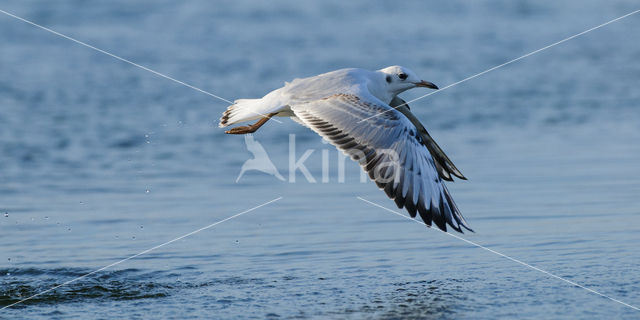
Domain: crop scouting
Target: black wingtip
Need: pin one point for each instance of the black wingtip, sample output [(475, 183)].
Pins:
[(457, 173)]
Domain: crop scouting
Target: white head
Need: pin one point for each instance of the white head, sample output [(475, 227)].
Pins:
[(399, 79)]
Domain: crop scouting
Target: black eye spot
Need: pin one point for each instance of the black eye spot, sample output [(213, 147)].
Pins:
[(402, 76), (388, 79)]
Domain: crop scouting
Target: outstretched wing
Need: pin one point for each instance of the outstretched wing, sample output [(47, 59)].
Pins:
[(444, 165), (389, 148)]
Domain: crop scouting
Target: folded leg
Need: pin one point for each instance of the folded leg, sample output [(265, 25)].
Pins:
[(252, 127)]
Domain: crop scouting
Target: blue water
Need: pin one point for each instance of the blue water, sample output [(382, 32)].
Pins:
[(100, 160)]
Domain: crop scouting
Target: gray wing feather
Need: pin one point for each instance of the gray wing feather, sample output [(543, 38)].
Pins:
[(347, 122), (444, 165)]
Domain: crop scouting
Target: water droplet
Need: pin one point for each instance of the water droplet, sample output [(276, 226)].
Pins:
[(147, 191), (8, 259), (46, 217), (134, 237), (141, 227), (146, 136), (237, 241), (68, 228), (6, 214), (117, 237), (81, 202)]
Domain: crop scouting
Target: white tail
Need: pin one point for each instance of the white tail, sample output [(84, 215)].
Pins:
[(241, 110), (250, 109)]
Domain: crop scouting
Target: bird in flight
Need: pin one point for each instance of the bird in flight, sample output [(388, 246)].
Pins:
[(359, 112)]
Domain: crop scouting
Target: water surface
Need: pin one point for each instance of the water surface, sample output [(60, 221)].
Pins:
[(100, 160)]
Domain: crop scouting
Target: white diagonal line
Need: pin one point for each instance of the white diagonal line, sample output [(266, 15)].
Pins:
[(113, 55), (141, 253), (123, 59), (506, 63), (505, 256)]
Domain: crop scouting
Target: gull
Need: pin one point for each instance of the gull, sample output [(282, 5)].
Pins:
[(359, 112)]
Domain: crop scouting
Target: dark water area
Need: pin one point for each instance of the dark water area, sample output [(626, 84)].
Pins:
[(101, 160)]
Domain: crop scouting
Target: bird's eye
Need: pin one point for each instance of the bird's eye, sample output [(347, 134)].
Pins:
[(388, 78), (402, 76)]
